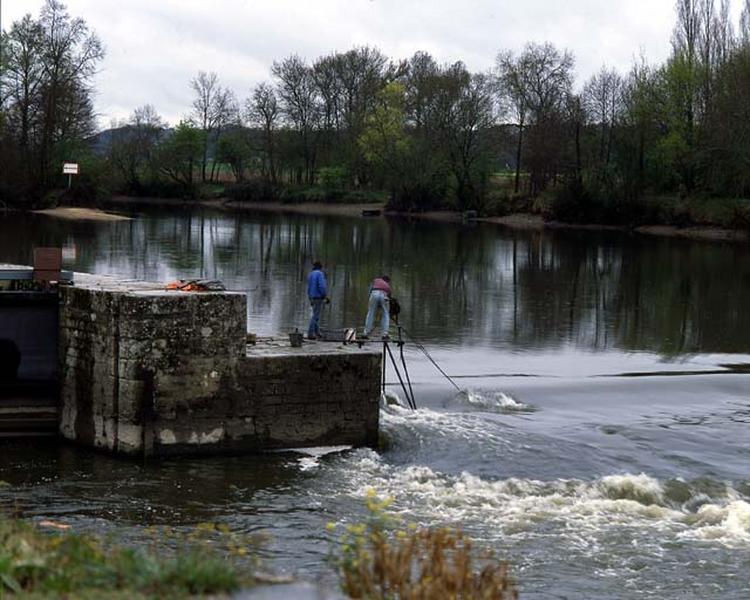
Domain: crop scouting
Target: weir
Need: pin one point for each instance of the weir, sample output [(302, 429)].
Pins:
[(141, 371)]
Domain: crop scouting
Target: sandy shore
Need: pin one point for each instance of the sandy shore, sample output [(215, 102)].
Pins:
[(81, 214), (518, 221)]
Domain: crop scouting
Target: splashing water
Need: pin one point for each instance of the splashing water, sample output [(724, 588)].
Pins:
[(529, 507), (488, 401)]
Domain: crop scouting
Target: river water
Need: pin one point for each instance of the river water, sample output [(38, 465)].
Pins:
[(599, 443)]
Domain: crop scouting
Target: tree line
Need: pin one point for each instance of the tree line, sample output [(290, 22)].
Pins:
[(430, 135)]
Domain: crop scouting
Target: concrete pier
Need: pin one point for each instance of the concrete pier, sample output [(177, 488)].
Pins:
[(146, 372)]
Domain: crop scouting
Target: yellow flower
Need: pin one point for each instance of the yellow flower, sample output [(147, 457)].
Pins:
[(356, 529)]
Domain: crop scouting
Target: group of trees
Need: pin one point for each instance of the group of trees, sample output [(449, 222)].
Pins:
[(430, 134), (676, 128), (347, 121), (46, 111)]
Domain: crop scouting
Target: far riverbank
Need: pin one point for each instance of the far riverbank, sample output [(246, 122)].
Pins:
[(522, 221)]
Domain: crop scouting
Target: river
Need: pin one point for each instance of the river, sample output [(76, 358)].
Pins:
[(600, 443)]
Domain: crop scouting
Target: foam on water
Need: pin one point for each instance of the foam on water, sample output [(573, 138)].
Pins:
[(729, 523), (311, 456), (406, 429), (520, 506), (672, 509), (395, 418), (389, 398), (488, 401)]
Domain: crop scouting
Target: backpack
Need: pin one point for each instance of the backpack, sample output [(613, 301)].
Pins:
[(394, 309)]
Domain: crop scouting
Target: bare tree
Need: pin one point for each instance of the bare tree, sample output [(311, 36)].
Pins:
[(687, 31), (464, 111), (745, 24), (577, 117), (724, 38), (299, 104), (48, 66), (602, 100), (262, 110), (421, 76), (214, 107), (514, 94), (536, 85), (23, 76), (685, 45), (206, 87), (226, 116), (71, 56), (642, 101), (329, 87), (360, 73)]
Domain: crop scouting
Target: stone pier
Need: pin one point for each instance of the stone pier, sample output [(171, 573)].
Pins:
[(146, 372)]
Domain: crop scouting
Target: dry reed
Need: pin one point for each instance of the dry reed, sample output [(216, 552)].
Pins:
[(380, 561)]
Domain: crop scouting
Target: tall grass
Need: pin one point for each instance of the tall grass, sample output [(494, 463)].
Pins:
[(379, 560), (37, 564)]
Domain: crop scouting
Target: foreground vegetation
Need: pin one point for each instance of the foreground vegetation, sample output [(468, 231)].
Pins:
[(383, 559), (358, 126), (379, 559), (55, 565)]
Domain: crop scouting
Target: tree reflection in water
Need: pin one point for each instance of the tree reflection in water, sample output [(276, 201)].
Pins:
[(457, 285)]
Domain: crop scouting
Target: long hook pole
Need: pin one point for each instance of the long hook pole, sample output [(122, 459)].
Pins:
[(408, 378), (398, 374), (401, 344), (384, 366)]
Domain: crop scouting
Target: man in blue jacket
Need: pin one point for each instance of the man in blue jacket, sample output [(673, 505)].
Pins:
[(317, 291)]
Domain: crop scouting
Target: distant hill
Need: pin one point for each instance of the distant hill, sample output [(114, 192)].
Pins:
[(101, 142)]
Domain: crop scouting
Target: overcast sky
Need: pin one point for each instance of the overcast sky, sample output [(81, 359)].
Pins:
[(154, 47)]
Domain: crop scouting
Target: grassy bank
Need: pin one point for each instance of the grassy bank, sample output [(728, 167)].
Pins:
[(695, 217), (55, 563), (259, 191), (667, 210), (257, 195)]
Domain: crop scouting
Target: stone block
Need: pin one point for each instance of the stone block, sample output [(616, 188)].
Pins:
[(147, 372)]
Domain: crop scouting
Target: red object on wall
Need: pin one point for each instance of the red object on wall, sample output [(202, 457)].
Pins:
[(47, 264)]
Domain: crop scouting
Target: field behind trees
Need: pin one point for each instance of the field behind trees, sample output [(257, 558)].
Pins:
[(662, 143)]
